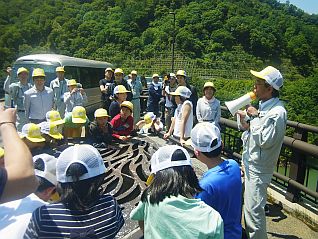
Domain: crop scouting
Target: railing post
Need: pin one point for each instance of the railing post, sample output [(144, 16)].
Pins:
[(297, 170)]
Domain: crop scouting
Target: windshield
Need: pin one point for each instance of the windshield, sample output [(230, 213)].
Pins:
[(48, 67)]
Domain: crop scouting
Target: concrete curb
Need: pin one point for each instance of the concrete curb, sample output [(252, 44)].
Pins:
[(298, 210), (135, 234)]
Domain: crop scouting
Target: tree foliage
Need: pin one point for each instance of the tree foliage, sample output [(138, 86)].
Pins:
[(226, 34)]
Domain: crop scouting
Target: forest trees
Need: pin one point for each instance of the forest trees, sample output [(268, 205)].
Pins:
[(215, 32)]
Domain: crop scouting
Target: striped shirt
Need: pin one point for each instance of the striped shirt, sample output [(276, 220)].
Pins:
[(102, 220)]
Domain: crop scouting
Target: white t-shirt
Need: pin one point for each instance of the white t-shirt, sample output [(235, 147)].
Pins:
[(15, 216), (178, 116)]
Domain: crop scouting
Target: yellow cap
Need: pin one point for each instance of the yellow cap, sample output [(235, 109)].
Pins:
[(181, 73), (109, 69), (22, 69), (100, 113), (149, 118), (133, 72), (54, 116), (71, 82), (32, 132), (38, 72), (1, 152), (60, 69), (51, 130), (120, 89), (155, 75), (119, 70), (127, 104), (209, 84), (79, 115)]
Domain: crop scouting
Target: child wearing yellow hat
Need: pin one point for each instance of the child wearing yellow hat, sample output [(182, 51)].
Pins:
[(75, 97), (74, 123), (51, 134), (123, 123), (31, 136), (100, 130), (151, 122), (120, 94)]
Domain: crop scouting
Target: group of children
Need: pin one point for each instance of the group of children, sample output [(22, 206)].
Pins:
[(70, 202), (174, 205)]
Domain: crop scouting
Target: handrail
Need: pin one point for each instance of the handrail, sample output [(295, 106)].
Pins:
[(294, 124), (302, 146)]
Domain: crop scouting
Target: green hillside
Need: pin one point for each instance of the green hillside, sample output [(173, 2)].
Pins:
[(215, 39)]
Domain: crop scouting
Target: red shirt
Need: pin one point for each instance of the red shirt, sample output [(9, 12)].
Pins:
[(120, 127)]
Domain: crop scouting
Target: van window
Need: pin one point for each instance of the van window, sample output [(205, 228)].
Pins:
[(48, 69), (89, 77)]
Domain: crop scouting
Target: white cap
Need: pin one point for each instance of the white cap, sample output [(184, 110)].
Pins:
[(271, 75), (49, 167), (182, 91), (206, 137), (169, 156), (84, 154), (172, 75)]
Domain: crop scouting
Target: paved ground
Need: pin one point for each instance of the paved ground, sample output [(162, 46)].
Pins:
[(282, 225)]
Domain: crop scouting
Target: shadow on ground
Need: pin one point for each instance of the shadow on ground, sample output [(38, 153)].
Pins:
[(277, 235), (276, 212)]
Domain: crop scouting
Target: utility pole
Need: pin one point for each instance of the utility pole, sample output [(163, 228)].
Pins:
[(173, 39)]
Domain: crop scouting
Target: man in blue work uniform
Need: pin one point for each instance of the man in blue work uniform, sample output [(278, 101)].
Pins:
[(17, 94), (59, 87)]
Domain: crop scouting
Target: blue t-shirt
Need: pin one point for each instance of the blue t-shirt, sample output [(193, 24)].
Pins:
[(222, 187)]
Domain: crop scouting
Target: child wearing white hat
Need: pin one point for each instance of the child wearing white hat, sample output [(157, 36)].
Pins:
[(19, 212), (168, 208), (83, 211), (221, 184)]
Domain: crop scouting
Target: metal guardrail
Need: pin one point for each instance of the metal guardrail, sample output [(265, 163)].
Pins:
[(293, 124), (295, 160)]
